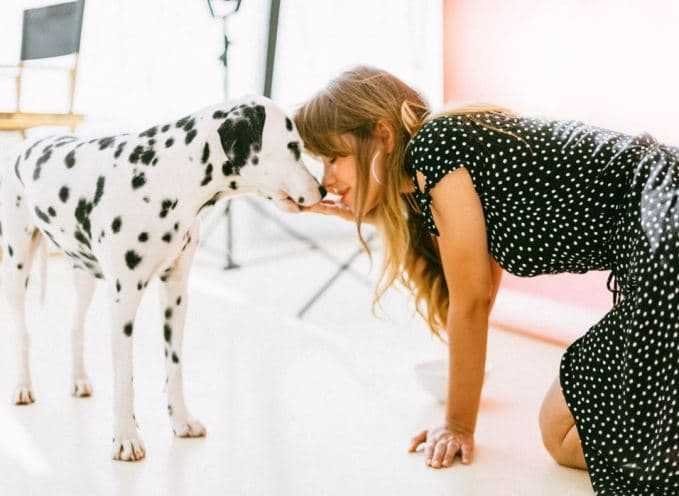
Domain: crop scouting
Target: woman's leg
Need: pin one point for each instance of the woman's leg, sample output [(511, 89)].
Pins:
[(559, 433)]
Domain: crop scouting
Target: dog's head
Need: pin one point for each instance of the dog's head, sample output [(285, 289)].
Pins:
[(263, 153)]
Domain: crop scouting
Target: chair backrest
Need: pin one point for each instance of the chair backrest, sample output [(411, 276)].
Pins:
[(52, 31)]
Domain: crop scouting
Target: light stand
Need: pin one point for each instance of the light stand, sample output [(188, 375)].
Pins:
[(225, 9)]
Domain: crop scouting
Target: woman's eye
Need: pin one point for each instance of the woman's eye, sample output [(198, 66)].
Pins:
[(332, 160)]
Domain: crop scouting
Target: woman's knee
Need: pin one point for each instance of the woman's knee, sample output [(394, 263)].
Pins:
[(557, 427)]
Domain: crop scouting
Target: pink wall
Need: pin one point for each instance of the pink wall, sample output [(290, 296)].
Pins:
[(610, 63)]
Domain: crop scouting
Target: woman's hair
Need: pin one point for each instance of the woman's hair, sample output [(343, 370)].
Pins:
[(351, 105)]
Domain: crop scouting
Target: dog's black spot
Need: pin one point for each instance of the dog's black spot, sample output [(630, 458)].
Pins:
[(206, 153), (182, 122), (167, 237), (138, 180), (118, 286), (79, 236), (288, 124), (189, 124), (168, 313), (165, 128), (63, 194), (146, 199), (132, 259), (238, 135), (128, 329), (148, 156), (51, 211), (293, 146), (20, 266), (228, 168), (219, 114), (176, 226), (119, 150), (233, 185), (16, 170), (208, 175), (254, 160), (175, 358), (165, 207), (26, 282), (169, 142), (115, 225), (99, 275), (104, 143), (179, 300), (42, 215), (30, 148), (0, 228), (167, 332), (10, 250), (150, 132), (155, 161), (82, 212), (210, 202), (100, 190), (139, 286), (190, 135), (136, 154), (41, 160), (143, 237), (69, 160)]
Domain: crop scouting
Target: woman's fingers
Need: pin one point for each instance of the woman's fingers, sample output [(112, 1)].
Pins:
[(439, 452), (417, 440), (451, 450), (467, 451), (428, 452)]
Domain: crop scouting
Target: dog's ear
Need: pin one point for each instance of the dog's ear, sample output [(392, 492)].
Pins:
[(240, 134)]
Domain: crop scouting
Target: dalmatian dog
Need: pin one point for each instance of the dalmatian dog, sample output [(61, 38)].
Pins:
[(124, 209)]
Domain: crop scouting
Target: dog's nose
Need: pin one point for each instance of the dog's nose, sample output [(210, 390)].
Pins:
[(323, 191)]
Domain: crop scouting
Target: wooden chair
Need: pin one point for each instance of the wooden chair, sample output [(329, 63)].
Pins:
[(51, 31)]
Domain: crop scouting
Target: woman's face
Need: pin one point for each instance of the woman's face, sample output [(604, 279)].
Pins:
[(340, 178)]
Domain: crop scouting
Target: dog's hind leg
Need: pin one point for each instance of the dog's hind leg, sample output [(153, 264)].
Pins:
[(173, 304), (84, 287), (20, 241)]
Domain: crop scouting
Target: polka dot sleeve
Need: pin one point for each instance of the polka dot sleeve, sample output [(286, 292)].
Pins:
[(441, 146)]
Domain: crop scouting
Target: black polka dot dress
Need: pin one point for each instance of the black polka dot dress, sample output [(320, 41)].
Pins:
[(564, 196)]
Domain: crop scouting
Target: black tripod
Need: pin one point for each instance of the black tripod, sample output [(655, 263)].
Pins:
[(224, 9)]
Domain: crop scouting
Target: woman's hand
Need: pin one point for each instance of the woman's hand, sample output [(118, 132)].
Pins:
[(328, 207), (442, 444)]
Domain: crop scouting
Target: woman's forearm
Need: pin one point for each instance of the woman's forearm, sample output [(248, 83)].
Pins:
[(467, 337)]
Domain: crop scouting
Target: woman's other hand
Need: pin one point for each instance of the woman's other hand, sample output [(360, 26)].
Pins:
[(442, 444)]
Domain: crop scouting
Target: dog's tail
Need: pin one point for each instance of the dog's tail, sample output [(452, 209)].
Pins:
[(43, 268)]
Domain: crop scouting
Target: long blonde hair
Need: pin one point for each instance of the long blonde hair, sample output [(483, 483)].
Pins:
[(353, 103)]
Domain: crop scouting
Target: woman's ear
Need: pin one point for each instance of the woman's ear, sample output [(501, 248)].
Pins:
[(385, 135)]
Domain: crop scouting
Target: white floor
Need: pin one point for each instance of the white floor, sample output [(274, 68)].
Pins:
[(320, 406)]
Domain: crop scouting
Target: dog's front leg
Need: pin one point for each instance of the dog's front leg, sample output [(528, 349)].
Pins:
[(127, 445), (173, 300)]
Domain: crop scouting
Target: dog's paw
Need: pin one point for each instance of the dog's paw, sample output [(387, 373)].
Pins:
[(189, 427), (23, 395), (82, 388), (128, 449)]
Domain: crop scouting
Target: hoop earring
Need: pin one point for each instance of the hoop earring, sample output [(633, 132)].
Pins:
[(372, 168)]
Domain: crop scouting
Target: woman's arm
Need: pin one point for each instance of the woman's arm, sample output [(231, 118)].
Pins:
[(459, 217)]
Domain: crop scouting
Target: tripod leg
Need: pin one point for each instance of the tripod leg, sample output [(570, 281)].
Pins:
[(230, 264)]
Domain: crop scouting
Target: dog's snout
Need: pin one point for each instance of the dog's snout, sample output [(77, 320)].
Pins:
[(322, 191)]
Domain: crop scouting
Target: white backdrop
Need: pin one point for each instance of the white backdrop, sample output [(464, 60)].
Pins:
[(144, 61)]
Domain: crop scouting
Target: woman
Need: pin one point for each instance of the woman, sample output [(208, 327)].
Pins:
[(461, 196)]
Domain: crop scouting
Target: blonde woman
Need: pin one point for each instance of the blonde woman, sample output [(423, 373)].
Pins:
[(462, 195)]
